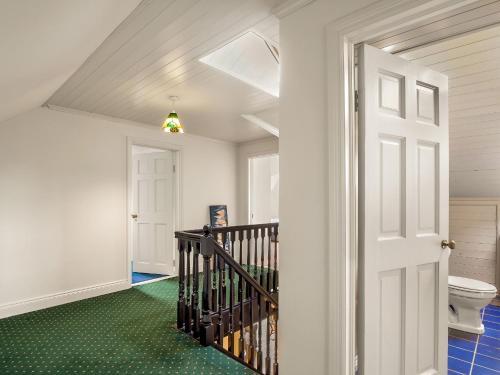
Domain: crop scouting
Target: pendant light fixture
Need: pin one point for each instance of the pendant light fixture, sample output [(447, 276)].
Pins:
[(172, 123)]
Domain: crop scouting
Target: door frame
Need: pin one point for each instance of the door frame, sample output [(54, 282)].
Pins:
[(341, 37), (177, 191), (249, 178)]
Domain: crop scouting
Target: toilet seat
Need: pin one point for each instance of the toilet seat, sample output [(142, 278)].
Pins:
[(470, 288), (464, 283)]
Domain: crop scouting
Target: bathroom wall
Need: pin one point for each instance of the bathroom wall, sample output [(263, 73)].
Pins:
[(474, 226)]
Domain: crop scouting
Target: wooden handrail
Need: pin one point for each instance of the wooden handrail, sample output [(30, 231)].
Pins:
[(233, 228), (243, 227), (189, 235)]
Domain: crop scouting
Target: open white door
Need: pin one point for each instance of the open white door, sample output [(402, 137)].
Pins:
[(153, 229), (264, 189), (403, 216)]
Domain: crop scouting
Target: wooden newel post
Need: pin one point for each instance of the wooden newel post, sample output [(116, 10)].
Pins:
[(207, 251)]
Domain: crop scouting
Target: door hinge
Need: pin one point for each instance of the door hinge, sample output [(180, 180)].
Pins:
[(356, 101), (173, 168)]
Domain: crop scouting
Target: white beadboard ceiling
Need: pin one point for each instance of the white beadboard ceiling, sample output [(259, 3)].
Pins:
[(155, 53), (44, 42), (472, 64), (454, 22)]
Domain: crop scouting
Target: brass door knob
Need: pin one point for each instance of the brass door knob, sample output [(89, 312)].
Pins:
[(134, 216), (450, 244)]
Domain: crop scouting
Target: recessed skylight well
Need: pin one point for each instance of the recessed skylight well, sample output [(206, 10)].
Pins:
[(251, 59)]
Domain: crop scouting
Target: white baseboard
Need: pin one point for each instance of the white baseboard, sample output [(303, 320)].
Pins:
[(33, 304)]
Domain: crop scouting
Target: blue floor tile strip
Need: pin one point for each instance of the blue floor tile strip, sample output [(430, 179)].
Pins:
[(138, 277), (470, 354)]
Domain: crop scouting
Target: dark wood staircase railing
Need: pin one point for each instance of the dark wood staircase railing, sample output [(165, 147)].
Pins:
[(239, 275)]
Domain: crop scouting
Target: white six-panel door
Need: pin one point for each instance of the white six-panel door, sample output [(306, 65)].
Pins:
[(153, 229), (403, 216)]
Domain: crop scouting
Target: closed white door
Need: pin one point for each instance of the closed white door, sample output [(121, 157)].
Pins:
[(153, 229), (403, 216)]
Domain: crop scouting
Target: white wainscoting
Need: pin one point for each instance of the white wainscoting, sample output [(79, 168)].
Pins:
[(474, 225)]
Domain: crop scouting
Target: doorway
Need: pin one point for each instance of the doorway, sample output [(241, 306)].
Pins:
[(388, 21), (263, 189), (470, 62), (152, 213)]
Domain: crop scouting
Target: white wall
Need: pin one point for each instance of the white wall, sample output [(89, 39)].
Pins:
[(63, 196), (304, 187), (474, 226), (266, 146)]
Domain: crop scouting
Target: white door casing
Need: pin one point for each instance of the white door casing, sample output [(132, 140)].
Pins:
[(403, 175), (152, 202)]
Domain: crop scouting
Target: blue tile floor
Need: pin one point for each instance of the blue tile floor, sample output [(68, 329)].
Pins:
[(471, 354), (138, 277)]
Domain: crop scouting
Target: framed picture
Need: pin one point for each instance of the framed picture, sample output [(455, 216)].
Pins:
[(218, 216)]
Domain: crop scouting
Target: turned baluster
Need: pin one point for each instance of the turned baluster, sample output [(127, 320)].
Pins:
[(181, 303), (256, 253), (268, 268), (222, 266), (231, 309), (251, 347), (275, 360), (241, 236), (195, 297), (249, 255), (220, 328), (241, 288), (232, 239), (262, 251), (268, 338), (259, 333), (275, 271), (207, 251), (249, 259), (188, 310)]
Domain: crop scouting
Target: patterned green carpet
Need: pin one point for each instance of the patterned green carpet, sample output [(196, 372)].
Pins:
[(129, 332)]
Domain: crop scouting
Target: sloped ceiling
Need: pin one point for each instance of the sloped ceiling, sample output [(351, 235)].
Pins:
[(471, 64), (44, 42), (155, 53)]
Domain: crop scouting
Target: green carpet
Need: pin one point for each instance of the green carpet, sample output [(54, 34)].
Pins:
[(129, 332)]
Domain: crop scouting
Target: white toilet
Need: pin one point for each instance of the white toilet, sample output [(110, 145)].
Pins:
[(466, 299)]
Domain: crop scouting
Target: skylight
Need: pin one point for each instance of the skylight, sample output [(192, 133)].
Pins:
[(251, 59)]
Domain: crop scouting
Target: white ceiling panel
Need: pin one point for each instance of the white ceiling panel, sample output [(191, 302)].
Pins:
[(471, 63), (44, 42), (155, 53), (460, 20)]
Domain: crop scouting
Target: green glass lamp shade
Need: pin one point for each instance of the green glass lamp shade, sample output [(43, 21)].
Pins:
[(172, 124)]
